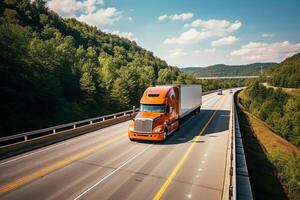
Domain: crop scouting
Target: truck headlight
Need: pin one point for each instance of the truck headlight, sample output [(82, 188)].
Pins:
[(130, 128), (157, 129)]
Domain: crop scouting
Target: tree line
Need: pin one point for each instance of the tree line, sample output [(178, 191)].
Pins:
[(287, 73), (230, 70), (279, 110)]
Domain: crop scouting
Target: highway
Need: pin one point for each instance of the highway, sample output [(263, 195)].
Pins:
[(104, 164), (226, 77)]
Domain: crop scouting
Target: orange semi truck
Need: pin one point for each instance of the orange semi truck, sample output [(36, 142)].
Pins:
[(161, 108)]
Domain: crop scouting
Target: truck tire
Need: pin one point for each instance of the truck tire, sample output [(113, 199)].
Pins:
[(178, 124), (165, 135), (195, 112)]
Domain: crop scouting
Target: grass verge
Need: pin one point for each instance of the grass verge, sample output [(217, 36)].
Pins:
[(273, 163)]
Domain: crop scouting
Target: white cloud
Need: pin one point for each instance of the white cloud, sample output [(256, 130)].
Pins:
[(275, 52), (86, 11), (219, 27), (162, 17), (101, 17), (182, 16), (201, 52), (265, 35), (224, 41), (209, 28), (188, 37), (68, 8), (209, 50), (177, 53), (127, 35)]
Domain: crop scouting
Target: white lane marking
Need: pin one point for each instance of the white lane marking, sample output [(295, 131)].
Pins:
[(112, 173), (50, 147), (203, 161), (189, 196), (200, 169), (205, 154)]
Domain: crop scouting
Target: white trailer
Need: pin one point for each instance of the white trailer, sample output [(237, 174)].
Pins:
[(190, 99)]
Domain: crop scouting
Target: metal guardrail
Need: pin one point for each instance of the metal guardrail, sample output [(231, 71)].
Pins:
[(240, 187), (20, 143), (229, 178), (232, 187), (236, 183), (23, 137)]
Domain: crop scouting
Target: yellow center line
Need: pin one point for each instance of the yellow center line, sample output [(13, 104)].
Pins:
[(182, 160), (24, 180)]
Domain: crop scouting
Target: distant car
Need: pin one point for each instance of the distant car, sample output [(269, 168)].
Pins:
[(230, 91), (220, 92)]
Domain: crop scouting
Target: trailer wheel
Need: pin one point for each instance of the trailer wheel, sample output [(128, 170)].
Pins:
[(197, 111)]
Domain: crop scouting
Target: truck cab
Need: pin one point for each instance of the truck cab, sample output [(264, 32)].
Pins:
[(158, 116)]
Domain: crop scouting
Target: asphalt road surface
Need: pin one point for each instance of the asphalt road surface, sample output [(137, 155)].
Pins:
[(105, 165)]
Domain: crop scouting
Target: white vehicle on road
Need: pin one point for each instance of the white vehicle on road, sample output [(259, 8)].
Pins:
[(220, 92)]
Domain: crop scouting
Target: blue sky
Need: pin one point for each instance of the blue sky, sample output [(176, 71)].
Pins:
[(189, 33)]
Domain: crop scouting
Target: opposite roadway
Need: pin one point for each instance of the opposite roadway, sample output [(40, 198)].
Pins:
[(104, 164)]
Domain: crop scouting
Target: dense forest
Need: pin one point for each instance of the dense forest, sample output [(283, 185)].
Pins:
[(230, 70), (287, 73), (279, 110), (55, 70)]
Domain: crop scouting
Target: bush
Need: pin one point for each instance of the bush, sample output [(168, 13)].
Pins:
[(288, 172)]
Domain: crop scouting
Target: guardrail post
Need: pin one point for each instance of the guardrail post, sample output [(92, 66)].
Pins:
[(91, 122), (25, 138), (115, 117), (74, 126), (103, 119), (54, 131)]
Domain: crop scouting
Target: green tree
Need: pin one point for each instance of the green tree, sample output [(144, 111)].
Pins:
[(166, 76)]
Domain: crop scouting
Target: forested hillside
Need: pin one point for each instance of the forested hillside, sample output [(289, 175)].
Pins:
[(55, 70), (279, 110), (230, 70), (287, 73)]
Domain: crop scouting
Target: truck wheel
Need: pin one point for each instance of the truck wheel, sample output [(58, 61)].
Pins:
[(165, 135), (178, 125)]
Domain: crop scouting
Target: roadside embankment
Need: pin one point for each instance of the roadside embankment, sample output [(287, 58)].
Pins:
[(273, 162)]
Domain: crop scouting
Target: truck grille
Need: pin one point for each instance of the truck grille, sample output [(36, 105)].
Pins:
[(143, 125)]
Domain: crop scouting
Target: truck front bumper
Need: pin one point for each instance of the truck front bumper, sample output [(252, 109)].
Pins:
[(145, 136)]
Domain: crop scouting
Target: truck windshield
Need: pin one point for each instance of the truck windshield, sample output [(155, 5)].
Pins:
[(153, 108)]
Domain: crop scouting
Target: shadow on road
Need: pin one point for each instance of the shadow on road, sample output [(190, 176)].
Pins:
[(192, 125)]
